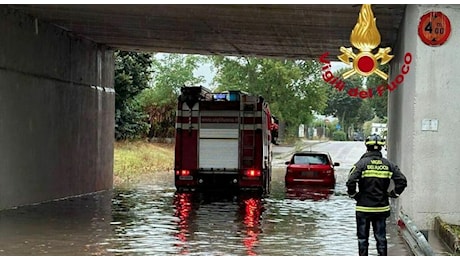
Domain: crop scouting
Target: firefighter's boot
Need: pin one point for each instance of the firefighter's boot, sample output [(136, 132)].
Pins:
[(382, 250), (363, 246)]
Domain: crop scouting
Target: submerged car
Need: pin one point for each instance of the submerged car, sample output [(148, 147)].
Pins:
[(312, 168)]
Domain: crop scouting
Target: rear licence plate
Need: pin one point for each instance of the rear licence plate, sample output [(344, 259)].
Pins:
[(309, 174)]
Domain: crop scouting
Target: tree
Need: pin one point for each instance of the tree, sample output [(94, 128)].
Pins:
[(159, 101), (351, 111), (379, 103), (293, 88), (132, 74), (365, 113)]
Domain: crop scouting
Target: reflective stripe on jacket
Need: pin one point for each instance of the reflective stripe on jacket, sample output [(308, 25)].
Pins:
[(372, 175)]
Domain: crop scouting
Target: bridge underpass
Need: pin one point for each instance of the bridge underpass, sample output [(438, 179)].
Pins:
[(57, 97)]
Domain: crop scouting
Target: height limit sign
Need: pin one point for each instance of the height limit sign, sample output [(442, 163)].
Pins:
[(434, 28)]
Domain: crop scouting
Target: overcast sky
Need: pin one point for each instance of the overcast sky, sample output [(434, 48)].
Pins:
[(205, 71)]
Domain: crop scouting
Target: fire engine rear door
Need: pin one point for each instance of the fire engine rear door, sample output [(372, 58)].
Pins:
[(218, 148)]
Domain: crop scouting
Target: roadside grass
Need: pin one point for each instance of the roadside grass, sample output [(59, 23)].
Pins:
[(456, 229), (137, 160)]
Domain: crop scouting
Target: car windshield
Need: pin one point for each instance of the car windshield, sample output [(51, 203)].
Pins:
[(318, 159)]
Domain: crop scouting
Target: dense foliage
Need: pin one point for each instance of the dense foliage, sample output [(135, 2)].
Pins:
[(159, 101), (132, 74), (339, 136), (147, 87), (352, 111), (293, 89), (379, 104)]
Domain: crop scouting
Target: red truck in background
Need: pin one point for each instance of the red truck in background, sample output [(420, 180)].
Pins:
[(223, 140)]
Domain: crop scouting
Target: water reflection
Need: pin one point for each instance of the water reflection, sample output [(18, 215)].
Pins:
[(307, 192), (212, 216), (183, 210), (143, 222), (74, 226), (251, 209)]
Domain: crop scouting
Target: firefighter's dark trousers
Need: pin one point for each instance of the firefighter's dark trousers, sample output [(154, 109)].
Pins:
[(378, 227)]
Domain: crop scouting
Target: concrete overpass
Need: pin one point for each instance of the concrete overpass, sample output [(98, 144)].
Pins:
[(283, 31), (57, 96)]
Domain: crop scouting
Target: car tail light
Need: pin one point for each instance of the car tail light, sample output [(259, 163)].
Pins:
[(289, 178), (182, 172), (329, 172), (252, 173)]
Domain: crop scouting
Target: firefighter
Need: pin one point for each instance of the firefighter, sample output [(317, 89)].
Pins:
[(274, 128), (372, 174)]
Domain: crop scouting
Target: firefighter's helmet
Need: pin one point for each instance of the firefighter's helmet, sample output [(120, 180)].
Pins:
[(374, 142)]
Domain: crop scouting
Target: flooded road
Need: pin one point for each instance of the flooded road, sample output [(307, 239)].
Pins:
[(152, 219)]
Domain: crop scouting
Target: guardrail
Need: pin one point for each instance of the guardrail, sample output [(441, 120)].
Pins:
[(414, 238)]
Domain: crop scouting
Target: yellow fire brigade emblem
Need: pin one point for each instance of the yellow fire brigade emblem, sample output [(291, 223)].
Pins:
[(365, 37)]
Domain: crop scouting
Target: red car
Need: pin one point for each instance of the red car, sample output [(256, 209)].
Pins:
[(311, 168)]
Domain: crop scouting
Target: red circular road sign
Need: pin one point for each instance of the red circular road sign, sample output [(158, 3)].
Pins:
[(434, 28)]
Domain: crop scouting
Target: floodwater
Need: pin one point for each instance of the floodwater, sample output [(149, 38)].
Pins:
[(152, 219)]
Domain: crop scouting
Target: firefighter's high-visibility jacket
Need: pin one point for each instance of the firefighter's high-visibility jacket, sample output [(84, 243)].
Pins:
[(373, 174)]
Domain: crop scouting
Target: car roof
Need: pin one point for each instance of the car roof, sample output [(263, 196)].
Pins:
[(310, 153)]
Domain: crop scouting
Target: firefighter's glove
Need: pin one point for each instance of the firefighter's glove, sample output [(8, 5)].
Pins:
[(354, 196), (392, 194)]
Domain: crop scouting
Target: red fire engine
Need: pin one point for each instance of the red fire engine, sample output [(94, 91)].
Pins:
[(223, 140)]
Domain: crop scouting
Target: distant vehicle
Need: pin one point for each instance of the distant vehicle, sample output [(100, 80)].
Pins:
[(314, 168), (358, 136)]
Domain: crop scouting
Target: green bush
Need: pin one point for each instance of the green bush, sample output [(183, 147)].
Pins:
[(339, 136)]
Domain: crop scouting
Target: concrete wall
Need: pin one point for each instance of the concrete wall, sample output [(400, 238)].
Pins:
[(430, 91), (56, 113)]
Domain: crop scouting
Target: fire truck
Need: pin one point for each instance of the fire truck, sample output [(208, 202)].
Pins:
[(223, 140)]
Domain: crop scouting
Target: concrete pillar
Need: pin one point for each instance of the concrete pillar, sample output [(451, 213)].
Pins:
[(428, 155), (56, 112)]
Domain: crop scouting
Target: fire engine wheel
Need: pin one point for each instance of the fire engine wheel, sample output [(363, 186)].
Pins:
[(266, 189), (185, 189)]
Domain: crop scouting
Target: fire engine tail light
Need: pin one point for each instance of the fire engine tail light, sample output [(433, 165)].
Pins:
[(252, 173), (182, 172)]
